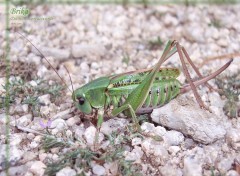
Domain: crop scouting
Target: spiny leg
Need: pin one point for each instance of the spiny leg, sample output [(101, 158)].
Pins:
[(195, 68), (174, 50), (187, 87), (188, 77)]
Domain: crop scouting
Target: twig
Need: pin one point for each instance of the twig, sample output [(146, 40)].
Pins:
[(29, 130), (25, 129), (225, 56)]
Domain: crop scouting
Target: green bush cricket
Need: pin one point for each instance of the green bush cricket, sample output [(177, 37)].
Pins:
[(139, 91)]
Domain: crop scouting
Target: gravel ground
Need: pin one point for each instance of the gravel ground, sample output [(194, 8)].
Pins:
[(48, 135)]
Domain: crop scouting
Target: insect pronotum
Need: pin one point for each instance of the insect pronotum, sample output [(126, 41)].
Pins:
[(139, 91)]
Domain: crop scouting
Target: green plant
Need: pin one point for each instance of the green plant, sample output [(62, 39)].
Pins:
[(51, 142), (84, 157), (126, 59), (81, 158), (216, 23), (26, 93), (230, 88), (155, 43)]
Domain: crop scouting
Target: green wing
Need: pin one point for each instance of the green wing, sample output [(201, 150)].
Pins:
[(136, 77)]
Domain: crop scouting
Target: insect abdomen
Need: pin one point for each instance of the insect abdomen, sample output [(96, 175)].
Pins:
[(160, 93)]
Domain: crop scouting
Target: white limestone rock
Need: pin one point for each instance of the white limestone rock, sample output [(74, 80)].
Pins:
[(185, 116)]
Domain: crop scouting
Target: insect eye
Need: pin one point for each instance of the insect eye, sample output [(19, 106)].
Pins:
[(81, 100)]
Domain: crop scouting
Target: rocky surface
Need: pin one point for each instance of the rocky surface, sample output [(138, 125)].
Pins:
[(185, 115), (99, 40)]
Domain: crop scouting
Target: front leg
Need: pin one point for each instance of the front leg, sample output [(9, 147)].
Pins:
[(100, 113)]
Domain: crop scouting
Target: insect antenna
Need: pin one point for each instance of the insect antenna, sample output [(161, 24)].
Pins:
[(69, 78), (24, 37)]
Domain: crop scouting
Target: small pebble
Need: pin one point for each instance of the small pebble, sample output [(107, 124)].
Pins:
[(191, 167), (44, 99), (90, 136), (232, 173), (233, 138), (136, 141), (173, 150), (173, 138), (42, 156), (24, 120), (66, 171), (98, 170), (135, 154), (38, 168), (30, 136), (224, 165), (72, 121)]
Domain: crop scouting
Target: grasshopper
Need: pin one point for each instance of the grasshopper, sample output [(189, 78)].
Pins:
[(139, 92)]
